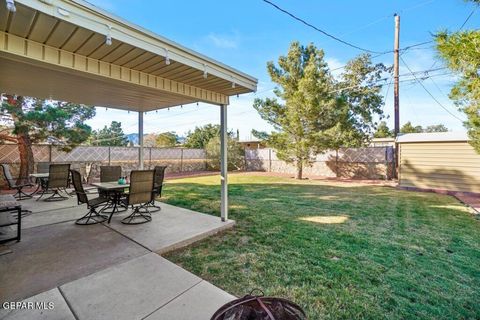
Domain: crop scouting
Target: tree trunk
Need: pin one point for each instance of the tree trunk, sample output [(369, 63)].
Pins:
[(299, 169), (26, 155)]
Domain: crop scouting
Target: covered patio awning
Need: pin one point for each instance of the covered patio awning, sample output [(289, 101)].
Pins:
[(73, 51)]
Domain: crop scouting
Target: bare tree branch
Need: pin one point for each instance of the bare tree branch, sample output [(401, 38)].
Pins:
[(8, 138)]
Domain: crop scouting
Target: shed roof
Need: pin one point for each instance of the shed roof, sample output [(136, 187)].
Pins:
[(433, 137)]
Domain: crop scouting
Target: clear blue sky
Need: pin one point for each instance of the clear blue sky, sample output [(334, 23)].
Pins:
[(247, 34)]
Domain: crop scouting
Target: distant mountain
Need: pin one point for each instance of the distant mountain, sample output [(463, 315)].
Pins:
[(132, 137), (181, 140)]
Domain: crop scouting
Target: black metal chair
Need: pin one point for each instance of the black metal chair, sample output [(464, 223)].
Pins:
[(58, 175), (110, 174), (159, 175), (92, 216), (139, 196), (16, 183)]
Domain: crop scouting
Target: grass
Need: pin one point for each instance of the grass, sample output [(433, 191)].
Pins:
[(341, 251)]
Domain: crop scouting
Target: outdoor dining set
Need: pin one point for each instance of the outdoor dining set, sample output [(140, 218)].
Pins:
[(114, 193)]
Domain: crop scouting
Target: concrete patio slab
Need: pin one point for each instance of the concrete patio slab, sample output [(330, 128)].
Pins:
[(52, 216), (172, 228), (41, 206), (107, 271), (200, 302), (51, 255), (131, 290), (60, 310)]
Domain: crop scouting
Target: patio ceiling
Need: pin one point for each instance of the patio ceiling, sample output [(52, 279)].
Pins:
[(60, 49)]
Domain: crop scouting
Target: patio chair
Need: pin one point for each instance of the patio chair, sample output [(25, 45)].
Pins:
[(92, 216), (16, 183), (43, 167), (58, 175), (110, 173), (157, 187), (139, 196)]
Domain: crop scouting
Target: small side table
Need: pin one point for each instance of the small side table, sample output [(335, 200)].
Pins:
[(8, 204)]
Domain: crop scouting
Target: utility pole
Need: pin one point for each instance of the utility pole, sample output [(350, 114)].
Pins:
[(396, 88), (396, 98)]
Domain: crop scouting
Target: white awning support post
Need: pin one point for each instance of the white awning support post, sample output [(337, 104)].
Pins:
[(140, 140), (223, 162)]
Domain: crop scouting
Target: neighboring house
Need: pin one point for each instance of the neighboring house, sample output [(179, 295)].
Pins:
[(252, 144), (442, 161), (382, 142)]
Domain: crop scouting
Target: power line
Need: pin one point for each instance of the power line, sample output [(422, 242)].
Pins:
[(403, 50), (468, 18), (425, 72), (320, 30), (459, 29), (308, 24), (387, 17), (429, 93)]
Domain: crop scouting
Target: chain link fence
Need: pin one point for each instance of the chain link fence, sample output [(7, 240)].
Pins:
[(88, 159), (353, 163)]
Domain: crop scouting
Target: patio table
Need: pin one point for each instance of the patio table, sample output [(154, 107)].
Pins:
[(115, 190), (39, 175), (39, 179)]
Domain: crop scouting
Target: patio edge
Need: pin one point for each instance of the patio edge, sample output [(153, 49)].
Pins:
[(203, 235)]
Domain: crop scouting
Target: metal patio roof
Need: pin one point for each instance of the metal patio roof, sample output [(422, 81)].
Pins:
[(61, 49)]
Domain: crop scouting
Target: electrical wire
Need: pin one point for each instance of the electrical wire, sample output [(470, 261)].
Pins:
[(379, 53), (429, 93), (401, 75), (320, 30), (376, 83), (459, 29), (468, 18)]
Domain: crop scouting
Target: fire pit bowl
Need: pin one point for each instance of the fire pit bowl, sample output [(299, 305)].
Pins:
[(260, 308)]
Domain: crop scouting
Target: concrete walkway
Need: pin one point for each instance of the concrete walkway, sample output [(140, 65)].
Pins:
[(473, 201), (107, 271), (147, 287)]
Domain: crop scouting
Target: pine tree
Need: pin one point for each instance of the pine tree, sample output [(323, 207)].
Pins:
[(314, 112), (32, 120)]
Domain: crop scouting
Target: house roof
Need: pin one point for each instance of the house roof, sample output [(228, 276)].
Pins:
[(433, 137)]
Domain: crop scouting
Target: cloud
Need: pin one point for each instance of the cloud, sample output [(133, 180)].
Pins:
[(223, 41), (335, 66)]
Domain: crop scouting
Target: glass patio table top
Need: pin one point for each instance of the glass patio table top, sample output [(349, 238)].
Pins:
[(110, 185)]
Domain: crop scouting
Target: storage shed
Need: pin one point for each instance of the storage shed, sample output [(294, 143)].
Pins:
[(443, 161)]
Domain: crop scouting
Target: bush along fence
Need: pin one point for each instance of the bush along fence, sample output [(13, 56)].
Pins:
[(351, 163), (88, 159)]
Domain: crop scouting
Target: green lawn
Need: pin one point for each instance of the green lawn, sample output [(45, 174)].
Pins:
[(341, 251)]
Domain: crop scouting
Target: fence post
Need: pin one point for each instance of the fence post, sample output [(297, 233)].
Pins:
[(245, 158), (50, 153), (109, 156), (336, 163), (386, 163), (181, 160), (150, 158), (269, 160)]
